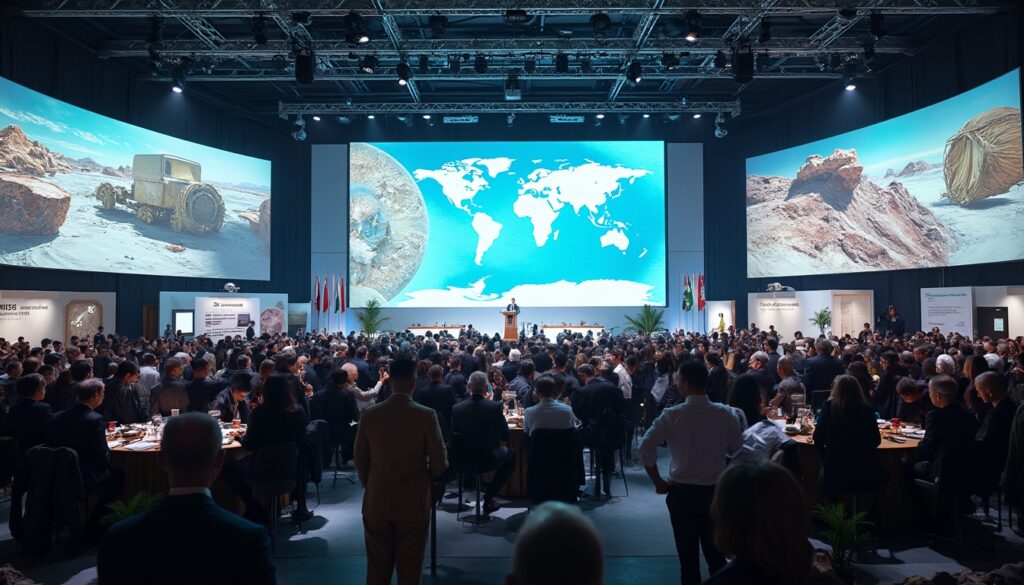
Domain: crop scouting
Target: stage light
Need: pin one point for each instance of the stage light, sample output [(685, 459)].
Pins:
[(513, 91), (516, 16), (877, 24), (179, 75), (510, 119), (438, 25), (766, 31), (259, 29), (720, 129), (635, 71), (368, 64), (693, 26), (454, 64), (669, 61), (177, 88), (696, 116), (316, 118), (480, 64), (344, 120), (424, 64), (600, 116), (851, 84), (647, 116), (720, 60), (354, 32), (404, 73), (426, 116), (279, 62), (305, 66), (529, 65), (850, 75), (586, 65), (299, 129), (561, 63), (600, 23), (370, 117), (743, 65)]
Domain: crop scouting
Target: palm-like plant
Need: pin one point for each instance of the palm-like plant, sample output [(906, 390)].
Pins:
[(822, 319), (845, 534), (370, 318), (646, 322), (138, 504)]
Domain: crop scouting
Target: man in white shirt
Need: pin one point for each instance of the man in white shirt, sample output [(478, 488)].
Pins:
[(149, 377), (700, 435), (548, 413), (625, 381)]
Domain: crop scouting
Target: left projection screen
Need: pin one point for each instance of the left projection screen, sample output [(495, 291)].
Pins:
[(80, 191), (474, 224)]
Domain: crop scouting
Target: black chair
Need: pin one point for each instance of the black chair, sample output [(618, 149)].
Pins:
[(951, 488), (274, 475), (471, 458), (818, 398), (555, 466)]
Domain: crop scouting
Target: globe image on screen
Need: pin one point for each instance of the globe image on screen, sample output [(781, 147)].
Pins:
[(388, 226)]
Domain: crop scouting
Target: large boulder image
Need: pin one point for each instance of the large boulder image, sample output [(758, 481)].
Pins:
[(28, 156), (31, 206)]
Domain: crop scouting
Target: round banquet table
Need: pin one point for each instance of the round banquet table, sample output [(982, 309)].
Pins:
[(142, 472), (893, 503)]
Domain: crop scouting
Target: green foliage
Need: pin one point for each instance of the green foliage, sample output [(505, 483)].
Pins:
[(370, 319), (845, 534), (138, 504), (646, 322), (822, 319)]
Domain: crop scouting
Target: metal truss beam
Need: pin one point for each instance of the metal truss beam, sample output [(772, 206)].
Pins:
[(243, 8), (746, 23), (395, 36), (837, 25), (286, 109), (389, 74)]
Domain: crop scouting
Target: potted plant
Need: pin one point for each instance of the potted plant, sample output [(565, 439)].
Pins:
[(845, 534), (822, 319), (646, 322), (138, 504), (370, 318)]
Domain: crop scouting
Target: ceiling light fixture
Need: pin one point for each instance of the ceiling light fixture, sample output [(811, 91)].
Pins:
[(369, 64), (480, 64), (600, 22), (693, 26), (404, 73), (635, 71), (561, 63)]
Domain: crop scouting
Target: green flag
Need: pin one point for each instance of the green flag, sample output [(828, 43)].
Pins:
[(687, 295)]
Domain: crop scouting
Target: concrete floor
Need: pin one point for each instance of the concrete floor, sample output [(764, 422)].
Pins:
[(638, 545)]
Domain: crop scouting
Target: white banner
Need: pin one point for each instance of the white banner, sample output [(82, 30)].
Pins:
[(226, 316), (951, 309), (58, 315)]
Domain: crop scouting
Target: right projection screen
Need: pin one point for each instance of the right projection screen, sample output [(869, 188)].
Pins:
[(937, 187)]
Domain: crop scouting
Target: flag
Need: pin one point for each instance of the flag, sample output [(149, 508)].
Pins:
[(339, 301), (700, 293), (687, 295), (316, 293), (326, 297)]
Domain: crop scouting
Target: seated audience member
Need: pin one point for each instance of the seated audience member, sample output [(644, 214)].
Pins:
[(64, 394), (949, 429), (557, 544), (438, 396), (993, 436), (759, 370), (914, 404), (974, 366), (862, 371), (761, 436), (761, 522), (202, 389), (120, 400), (484, 424), (789, 385), (718, 379), (188, 521), (455, 379), (338, 406), (170, 393), (884, 399), (82, 429), (522, 383), (233, 401), (847, 438), (548, 413), (29, 420), (277, 420)]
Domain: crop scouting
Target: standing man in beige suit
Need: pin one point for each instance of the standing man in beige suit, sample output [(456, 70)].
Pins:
[(398, 452)]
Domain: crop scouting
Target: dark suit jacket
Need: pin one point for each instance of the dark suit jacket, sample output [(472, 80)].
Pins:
[(121, 403), (167, 395), (83, 430), (543, 362), (185, 539), (773, 366), (820, 371), (482, 420), (511, 307), (202, 392), (458, 383), (365, 381), (848, 447), (993, 437), (225, 403), (338, 407), (947, 431), (267, 427), (591, 400), (29, 422), (441, 398)]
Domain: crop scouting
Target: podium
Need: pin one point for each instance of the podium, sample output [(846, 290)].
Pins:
[(511, 326)]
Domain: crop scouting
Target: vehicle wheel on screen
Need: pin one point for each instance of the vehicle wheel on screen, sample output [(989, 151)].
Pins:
[(199, 209), (107, 195), (145, 214), (176, 223)]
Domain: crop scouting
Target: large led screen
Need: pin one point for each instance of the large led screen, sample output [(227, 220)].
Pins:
[(80, 191), (474, 224), (940, 186)]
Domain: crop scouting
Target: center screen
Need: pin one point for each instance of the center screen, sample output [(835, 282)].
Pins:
[(474, 224)]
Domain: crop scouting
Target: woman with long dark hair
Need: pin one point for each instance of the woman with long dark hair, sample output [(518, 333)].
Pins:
[(847, 438)]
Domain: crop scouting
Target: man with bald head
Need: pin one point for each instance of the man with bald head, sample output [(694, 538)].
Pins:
[(187, 521), (557, 544), (364, 397)]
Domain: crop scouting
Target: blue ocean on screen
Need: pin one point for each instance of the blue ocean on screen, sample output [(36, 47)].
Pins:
[(549, 223)]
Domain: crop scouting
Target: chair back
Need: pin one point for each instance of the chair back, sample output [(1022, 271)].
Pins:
[(469, 455), (819, 397), (277, 467), (555, 465)]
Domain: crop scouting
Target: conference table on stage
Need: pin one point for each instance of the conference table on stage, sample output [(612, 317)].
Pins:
[(435, 328), (552, 330)]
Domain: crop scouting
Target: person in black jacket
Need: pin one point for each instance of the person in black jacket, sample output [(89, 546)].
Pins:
[(233, 402), (993, 436), (885, 397), (948, 430), (440, 397), (64, 394), (456, 379), (337, 405), (120, 399), (600, 406), (188, 521), (170, 393), (914, 403), (202, 389), (847, 438), (483, 422), (366, 376), (822, 369), (82, 429), (896, 325), (29, 420)]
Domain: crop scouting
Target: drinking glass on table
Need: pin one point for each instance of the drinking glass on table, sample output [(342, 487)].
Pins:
[(215, 414), (895, 425)]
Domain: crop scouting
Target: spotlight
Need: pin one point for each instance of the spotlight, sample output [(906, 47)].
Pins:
[(177, 88), (179, 75), (850, 76), (404, 73), (743, 65), (438, 25), (693, 26), (368, 64), (480, 64), (586, 65), (600, 116), (259, 29), (424, 64), (345, 120), (561, 63), (720, 129), (305, 66), (529, 65), (316, 118), (279, 62), (669, 61), (696, 116), (635, 72), (299, 129), (766, 31), (510, 119), (647, 116), (370, 117), (851, 84), (720, 60), (454, 64), (600, 23), (877, 25), (354, 33), (514, 16), (426, 116), (513, 92)]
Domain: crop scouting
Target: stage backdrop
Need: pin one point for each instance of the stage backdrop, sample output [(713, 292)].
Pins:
[(36, 314), (270, 310), (683, 199)]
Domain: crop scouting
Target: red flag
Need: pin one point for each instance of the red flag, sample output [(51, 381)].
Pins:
[(316, 293), (326, 297), (700, 292), (340, 305)]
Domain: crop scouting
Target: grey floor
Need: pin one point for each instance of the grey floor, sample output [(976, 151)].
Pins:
[(637, 536)]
